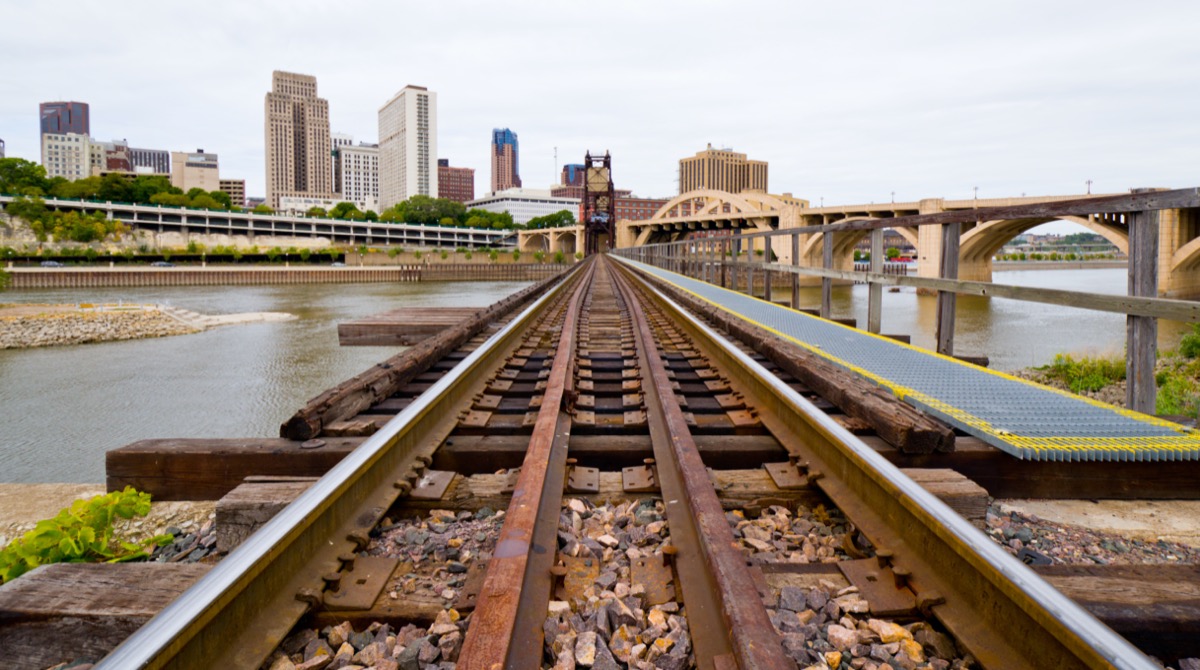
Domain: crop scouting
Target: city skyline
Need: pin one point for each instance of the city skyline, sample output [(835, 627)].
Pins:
[(932, 102)]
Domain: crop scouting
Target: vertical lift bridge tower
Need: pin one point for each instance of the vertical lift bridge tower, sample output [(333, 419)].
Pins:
[(599, 204)]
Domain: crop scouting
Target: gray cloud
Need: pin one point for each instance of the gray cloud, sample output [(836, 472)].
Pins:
[(846, 101)]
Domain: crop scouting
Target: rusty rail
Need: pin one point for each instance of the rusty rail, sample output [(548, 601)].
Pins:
[(506, 628), (717, 586)]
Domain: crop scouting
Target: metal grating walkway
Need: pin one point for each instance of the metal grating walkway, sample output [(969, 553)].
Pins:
[(1025, 419)]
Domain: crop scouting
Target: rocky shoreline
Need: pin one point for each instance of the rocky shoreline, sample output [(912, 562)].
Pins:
[(23, 327), (57, 329)]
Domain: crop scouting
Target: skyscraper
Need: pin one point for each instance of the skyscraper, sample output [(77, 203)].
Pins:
[(721, 170), (61, 118), (455, 183), (408, 146), (506, 172), (65, 117), (298, 143)]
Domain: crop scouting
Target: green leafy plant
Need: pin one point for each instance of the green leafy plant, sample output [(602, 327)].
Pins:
[(1084, 373), (1189, 346), (82, 533)]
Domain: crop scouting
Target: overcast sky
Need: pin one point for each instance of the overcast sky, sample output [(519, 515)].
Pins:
[(847, 102)]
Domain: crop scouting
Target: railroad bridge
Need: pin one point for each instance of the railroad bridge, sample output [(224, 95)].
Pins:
[(650, 428), (705, 213)]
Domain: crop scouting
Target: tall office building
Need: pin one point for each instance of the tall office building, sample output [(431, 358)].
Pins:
[(455, 183), (195, 169), (408, 146), (722, 170), (155, 161), (358, 174), (506, 171), (67, 155), (297, 135), (62, 118), (336, 142), (236, 190)]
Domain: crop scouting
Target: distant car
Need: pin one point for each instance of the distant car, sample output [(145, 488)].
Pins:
[(337, 264), (52, 264), (162, 264)]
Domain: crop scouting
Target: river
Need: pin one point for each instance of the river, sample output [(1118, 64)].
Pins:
[(62, 408)]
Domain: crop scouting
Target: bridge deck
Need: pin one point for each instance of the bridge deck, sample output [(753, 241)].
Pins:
[(1025, 419)]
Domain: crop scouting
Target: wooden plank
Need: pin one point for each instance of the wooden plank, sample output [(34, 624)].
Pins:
[(206, 469), (1141, 340), (1004, 476), (476, 454), (962, 495), (70, 611), (1156, 607), (402, 327), (251, 504)]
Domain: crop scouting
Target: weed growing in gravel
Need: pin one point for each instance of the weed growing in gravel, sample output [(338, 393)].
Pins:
[(82, 533), (1085, 373)]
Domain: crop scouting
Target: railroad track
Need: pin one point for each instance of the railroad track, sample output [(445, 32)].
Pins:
[(604, 556)]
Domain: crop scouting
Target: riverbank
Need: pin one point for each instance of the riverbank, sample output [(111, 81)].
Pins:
[(24, 326)]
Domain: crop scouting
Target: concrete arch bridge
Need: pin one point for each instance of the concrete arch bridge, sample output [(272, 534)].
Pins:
[(711, 213)]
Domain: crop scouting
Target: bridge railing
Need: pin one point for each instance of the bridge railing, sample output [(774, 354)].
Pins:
[(716, 259)]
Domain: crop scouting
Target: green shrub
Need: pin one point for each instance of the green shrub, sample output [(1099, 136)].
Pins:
[(82, 533), (1085, 374), (1189, 346)]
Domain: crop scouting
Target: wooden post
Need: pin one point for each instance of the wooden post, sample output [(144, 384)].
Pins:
[(749, 244), (1141, 343), (725, 250), (875, 289), (795, 277), (826, 282), (946, 299)]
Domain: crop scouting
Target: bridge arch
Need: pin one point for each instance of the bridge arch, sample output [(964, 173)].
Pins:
[(536, 241), (710, 201), (844, 242), (984, 241), (1187, 257)]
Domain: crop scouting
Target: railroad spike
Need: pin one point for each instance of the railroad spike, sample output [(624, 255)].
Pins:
[(360, 539), (310, 596)]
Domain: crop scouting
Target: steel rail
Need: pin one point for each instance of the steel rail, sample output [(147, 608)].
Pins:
[(1005, 614), (234, 616), (506, 627), (721, 590)]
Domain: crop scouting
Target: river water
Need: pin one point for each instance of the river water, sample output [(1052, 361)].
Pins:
[(62, 408)]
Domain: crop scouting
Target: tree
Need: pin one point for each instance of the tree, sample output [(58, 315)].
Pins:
[(114, 188), (425, 210), (21, 177), (262, 209), (370, 215), (222, 198), (891, 253), (344, 210), (556, 220), (317, 211)]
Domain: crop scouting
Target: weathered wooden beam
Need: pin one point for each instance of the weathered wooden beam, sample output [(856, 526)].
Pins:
[(70, 611), (1156, 607), (948, 269), (206, 469), (402, 327), (826, 282), (1004, 476), (251, 504), (875, 289), (901, 425), (475, 454), (1141, 343), (380, 381)]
